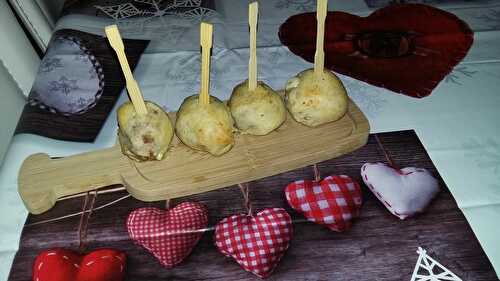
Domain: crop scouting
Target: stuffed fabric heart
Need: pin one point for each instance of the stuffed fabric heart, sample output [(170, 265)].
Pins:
[(404, 192), (333, 202), (170, 235), (66, 265), (406, 48), (256, 242)]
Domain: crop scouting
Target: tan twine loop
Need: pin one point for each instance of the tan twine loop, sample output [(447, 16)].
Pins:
[(386, 154), (82, 212), (84, 220), (317, 175), (245, 191)]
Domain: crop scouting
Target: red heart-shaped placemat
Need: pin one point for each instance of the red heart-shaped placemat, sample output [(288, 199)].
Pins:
[(170, 235), (258, 242), (333, 202), (406, 48), (66, 265), (404, 192)]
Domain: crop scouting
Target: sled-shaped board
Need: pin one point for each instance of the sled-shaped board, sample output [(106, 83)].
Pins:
[(42, 180)]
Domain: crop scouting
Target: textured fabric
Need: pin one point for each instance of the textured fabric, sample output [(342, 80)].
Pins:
[(333, 202), (404, 192), (70, 79), (406, 48), (256, 242), (66, 265), (170, 235)]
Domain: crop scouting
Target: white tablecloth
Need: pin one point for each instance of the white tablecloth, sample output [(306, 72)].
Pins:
[(458, 124)]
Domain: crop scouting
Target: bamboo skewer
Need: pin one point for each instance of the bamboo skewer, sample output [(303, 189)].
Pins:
[(253, 10), (319, 56), (134, 92), (206, 44)]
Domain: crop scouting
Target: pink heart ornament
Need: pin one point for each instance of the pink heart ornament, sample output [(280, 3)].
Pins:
[(404, 192), (257, 243), (170, 235)]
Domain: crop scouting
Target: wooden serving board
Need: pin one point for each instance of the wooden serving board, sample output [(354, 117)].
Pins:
[(379, 246), (43, 180)]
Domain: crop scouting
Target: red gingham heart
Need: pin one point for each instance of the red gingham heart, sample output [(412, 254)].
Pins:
[(333, 202), (258, 242), (66, 265), (170, 235)]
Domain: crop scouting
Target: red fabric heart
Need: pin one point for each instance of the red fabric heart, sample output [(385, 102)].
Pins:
[(258, 242), (333, 202), (407, 48), (66, 265), (170, 235)]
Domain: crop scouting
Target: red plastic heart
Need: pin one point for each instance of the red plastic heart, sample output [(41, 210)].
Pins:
[(66, 265), (258, 242), (333, 202), (406, 48), (170, 235)]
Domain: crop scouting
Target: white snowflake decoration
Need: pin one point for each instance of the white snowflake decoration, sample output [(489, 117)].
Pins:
[(121, 11), (187, 3), (197, 13), (429, 267)]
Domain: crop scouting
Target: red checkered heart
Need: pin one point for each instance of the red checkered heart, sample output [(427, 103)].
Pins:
[(66, 265), (333, 202), (256, 242), (170, 235), (404, 192)]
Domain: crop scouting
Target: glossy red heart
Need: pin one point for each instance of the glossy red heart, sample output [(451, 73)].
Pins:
[(406, 48), (170, 235), (333, 202), (66, 265), (257, 242)]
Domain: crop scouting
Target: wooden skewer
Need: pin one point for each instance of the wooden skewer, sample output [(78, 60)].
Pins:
[(319, 57), (253, 11), (206, 45), (134, 92)]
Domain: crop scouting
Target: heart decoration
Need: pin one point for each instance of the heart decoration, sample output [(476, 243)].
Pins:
[(258, 242), (170, 235), (66, 265), (406, 48), (404, 192), (333, 202)]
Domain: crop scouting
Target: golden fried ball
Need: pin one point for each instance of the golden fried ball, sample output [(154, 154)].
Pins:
[(205, 127), (314, 100), (144, 137), (257, 112)]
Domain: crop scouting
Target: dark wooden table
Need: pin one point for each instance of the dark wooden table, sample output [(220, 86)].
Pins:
[(379, 246)]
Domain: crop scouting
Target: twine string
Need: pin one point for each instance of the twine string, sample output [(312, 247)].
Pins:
[(246, 195), (79, 213), (386, 154), (80, 224), (317, 174), (84, 221)]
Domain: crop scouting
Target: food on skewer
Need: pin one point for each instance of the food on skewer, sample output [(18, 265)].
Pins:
[(316, 96), (204, 122), (256, 108), (145, 130), (314, 100), (144, 136), (257, 112), (205, 127)]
